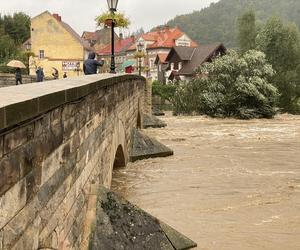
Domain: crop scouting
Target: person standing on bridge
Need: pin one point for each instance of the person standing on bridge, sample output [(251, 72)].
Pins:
[(18, 76), (91, 64), (39, 75)]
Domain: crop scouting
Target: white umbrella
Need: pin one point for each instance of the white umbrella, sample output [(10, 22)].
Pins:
[(16, 64)]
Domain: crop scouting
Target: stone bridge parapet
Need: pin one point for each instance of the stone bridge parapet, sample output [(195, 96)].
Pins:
[(58, 139)]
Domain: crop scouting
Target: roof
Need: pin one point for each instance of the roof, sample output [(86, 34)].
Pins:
[(160, 58), (201, 55), (184, 53), (163, 38), (120, 45), (102, 36), (87, 35), (68, 28)]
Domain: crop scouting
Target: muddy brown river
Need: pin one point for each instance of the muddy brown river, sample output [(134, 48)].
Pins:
[(230, 184)]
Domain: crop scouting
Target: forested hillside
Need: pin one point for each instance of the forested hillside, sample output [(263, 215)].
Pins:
[(217, 23)]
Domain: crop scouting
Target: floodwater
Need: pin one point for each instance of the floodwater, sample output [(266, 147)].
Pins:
[(230, 185)]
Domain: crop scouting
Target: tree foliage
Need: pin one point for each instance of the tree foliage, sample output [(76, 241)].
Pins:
[(230, 86), (14, 30), (281, 44), (247, 33), (217, 23), (166, 92)]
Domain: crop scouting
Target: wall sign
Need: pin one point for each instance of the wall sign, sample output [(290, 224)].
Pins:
[(70, 65)]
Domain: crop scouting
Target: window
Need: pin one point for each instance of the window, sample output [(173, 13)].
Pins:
[(42, 54), (159, 67), (151, 63)]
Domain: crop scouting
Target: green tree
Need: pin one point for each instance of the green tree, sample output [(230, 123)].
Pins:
[(17, 26), (7, 48), (246, 36), (230, 86), (281, 44)]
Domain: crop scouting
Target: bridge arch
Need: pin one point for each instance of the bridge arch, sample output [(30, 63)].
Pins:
[(119, 158)]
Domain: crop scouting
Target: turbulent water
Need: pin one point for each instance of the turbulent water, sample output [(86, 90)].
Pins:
[(230, 185)]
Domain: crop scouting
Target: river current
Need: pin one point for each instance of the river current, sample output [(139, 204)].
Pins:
[(231, 184)]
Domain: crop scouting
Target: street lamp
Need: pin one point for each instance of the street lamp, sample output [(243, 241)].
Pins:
[(112, 5), (140, 47)]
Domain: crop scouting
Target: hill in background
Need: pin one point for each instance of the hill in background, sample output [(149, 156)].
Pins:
[(217, 23)]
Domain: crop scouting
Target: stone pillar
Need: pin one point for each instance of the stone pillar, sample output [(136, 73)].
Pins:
[(148, 97)]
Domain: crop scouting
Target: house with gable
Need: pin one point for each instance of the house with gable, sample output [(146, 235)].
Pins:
[(182, 62), (56, 45), (158, 42)]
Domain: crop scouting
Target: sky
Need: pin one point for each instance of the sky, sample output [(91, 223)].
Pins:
[(80, 14)]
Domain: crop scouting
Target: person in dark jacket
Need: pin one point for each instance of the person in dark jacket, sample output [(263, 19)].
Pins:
[(18, 76), (90, 65), (39, 74)]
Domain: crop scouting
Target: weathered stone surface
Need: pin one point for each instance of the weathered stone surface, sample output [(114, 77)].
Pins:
[(2, 118), (178, 240), (151, 121), (9, 173), (157, 112), (12, 202), (121, 225), (48, 165), (144, 147)]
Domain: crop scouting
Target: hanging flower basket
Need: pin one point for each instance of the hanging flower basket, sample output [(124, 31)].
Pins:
[(119, 19)]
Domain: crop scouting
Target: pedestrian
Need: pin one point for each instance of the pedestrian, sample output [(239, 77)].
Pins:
[(90, 65), (39, 75), (55, 74), (18, 76), (65, 75)]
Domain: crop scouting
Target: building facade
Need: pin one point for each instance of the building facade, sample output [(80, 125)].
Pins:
[(56, 46), (158, 42)]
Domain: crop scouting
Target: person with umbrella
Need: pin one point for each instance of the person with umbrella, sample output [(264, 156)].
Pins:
[(18, 76), (18, 65)]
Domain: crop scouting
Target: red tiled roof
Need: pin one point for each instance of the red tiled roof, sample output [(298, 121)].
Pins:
[(120, 45), (164, 38)]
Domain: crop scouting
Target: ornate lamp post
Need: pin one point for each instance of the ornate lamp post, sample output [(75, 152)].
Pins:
[(140, 47), (112, 5)]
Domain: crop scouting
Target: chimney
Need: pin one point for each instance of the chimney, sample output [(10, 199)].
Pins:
[(57, 17)]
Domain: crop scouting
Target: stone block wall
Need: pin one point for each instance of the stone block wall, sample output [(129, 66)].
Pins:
[(7, 80), (50, 161), (148, 97)]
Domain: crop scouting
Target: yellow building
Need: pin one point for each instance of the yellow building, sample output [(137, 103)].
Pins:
[(56, 46)]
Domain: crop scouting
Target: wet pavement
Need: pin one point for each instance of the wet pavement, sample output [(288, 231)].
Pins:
[(230, 185)]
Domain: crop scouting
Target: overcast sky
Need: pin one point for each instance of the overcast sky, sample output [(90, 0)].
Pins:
[(80, 14)]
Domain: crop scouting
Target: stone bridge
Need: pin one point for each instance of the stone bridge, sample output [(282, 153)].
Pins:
[(57, 140)]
